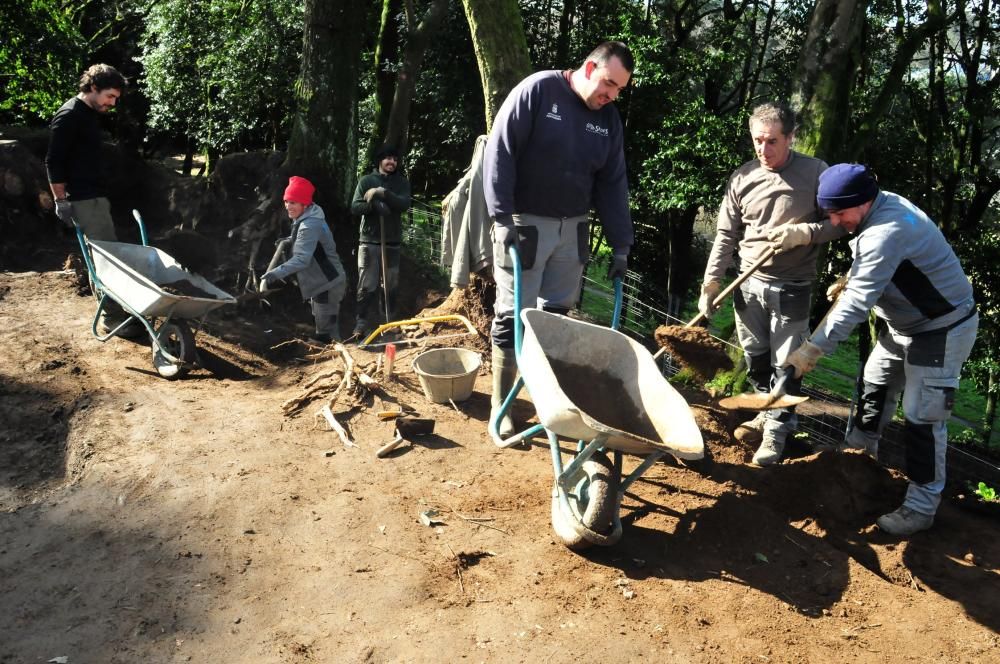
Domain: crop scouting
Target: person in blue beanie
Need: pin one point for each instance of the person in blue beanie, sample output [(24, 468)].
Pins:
[(906, 272)]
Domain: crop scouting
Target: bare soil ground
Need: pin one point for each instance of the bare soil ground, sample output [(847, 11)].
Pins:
[(143, 520)]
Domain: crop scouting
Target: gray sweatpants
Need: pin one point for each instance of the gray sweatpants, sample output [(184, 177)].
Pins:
[(370, 279), (925, 368), (553, 252), (94, 217), (326, 308), (772, 320)]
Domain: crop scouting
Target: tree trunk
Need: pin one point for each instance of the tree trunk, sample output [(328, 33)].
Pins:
[(417, 40), (386, 51), (501, 49), (323, 144), (825, 76)]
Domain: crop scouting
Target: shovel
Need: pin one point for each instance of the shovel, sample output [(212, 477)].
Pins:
[(406, 428), (777, 397), (721, 297)]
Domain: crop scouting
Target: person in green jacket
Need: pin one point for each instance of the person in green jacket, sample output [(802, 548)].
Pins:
[(380, 198)]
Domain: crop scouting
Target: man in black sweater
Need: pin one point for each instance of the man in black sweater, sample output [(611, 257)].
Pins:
[(73, 160)]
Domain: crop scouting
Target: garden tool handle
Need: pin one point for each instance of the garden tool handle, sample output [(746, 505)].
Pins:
[(390, 446), (721, 297)]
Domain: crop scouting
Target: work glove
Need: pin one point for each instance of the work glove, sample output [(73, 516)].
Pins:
[(370, 194), (836, 288), (804, 358), (789, 236), (64, 210), (709, 291), (617, 266), (380, 208), (505, 232), (269, 282)]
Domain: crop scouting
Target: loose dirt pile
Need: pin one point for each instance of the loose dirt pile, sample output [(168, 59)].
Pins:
[(187, 289), (694, 348), (146, 520)]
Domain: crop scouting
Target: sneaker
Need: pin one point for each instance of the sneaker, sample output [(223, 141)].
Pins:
[(904, 522), (769, 452), (751, 432)]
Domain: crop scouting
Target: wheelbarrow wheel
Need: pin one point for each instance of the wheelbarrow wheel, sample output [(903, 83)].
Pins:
[(177, 339), (593, 504)]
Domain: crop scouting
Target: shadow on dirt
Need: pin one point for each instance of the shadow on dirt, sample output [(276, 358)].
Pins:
[(792, 530), (33, 429), (110, 592)]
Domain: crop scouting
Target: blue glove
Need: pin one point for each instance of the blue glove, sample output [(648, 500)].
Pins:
[(617, 266)]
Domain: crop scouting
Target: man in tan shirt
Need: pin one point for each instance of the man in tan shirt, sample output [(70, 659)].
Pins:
[(770, 202)]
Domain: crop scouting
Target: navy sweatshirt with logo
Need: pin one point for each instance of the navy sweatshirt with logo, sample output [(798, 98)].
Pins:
[(550, 155)]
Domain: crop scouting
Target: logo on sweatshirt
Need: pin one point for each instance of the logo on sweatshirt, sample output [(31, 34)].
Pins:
[(595, 129), (554, 113)]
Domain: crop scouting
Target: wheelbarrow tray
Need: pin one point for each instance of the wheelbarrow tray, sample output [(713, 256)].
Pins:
[(647, 413), (132, 274)]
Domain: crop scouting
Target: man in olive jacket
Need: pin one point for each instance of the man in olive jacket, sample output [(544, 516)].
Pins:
[(380, 198)]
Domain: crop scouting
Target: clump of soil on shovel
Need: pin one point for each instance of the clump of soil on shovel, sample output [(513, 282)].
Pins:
[(695, 349), (186, 288)]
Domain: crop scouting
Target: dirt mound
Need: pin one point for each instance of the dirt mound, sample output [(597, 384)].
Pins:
[(202, 486)]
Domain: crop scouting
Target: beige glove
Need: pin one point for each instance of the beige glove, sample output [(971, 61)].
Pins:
[(709, 291), (370, 194), (836, 288), (804, 358), (789, 236)]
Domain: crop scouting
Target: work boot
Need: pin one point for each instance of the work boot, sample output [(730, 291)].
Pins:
[(751, 432), (504, 375), (770, 450), (904, 522)]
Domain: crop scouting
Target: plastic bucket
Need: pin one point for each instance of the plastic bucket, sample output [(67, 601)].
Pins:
[(447, 373)]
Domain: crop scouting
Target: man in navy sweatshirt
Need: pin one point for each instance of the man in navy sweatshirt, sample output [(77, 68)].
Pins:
[(555, 152)]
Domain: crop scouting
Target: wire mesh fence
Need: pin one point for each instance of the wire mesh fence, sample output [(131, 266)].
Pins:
[(826, 423)]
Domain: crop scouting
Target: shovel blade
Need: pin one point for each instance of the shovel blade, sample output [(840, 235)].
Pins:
[(761, 401)]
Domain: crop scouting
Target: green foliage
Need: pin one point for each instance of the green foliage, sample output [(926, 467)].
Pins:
[(222, 71), (41, 56), (987, 493)]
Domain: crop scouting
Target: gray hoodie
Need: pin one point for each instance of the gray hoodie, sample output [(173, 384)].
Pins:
[(314, 260), (905, 270)]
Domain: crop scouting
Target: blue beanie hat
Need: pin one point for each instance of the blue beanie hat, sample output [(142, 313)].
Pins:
[(845, 186)]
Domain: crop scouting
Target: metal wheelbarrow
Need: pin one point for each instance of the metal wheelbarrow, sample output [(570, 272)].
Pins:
[(595, 385), (131, 275)]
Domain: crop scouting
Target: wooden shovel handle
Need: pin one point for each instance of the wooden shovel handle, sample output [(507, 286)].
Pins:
[(721, 297), (389, 447)]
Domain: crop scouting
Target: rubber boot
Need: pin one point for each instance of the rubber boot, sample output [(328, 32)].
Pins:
[(504, 375)]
